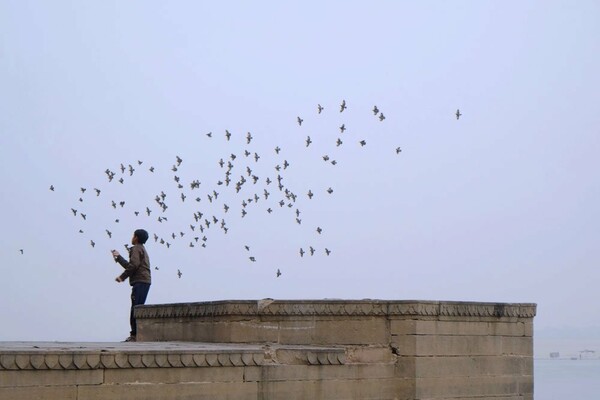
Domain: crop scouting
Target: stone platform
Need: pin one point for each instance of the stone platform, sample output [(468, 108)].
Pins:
[(286, 349)]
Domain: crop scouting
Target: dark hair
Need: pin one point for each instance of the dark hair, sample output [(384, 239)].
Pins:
[(142, 235)]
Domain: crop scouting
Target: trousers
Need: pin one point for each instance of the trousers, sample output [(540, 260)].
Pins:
[(139, 292)]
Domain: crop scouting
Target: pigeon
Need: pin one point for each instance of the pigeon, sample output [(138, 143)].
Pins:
[(179, 160), (131, 169), (338, 142), (381, 117), (74, 211), (122, 168), (84, 216), (320, 108), (398, 150), (83, 190), (278, 273), (92, 243), (121, 181), (308, 141), (179, 274), (310, 194), (248, 138), (227, 134), (21, 250), (325, 157), (253, 259), (298, 221), (301, 252), (458, 114), (209, 134), (343, 106), (81, 200), (375, 110), (151, 169), (277, 149), (327, 251), (312, 250), (269, 210), (109, 233), (52, 188), (333, 162), (140, 162), (363, 142), (97, 192), (136, 213), (330, 190), (148, 211), (342, 128), (300, 121), (247, 247), (256, 157), (319, 230), (122, 204)]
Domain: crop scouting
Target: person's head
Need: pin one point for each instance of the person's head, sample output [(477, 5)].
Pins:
[(140, 236)]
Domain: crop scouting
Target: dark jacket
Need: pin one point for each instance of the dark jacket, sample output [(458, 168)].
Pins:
[(137, 269)]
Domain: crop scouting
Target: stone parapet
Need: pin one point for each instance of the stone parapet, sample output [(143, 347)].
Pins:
[(286, 349)]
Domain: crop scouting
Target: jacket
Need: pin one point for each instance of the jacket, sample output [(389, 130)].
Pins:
[(137, 269)]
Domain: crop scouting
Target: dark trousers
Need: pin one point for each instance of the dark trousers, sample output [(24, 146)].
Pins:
[(139, 292)]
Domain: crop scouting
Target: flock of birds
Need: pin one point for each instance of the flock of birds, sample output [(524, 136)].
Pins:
[(237, 191)]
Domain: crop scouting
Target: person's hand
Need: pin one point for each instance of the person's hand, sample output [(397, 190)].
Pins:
[(115, 254), (118, 279)]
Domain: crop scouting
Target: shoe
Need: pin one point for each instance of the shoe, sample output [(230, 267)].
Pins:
[(130, 339)]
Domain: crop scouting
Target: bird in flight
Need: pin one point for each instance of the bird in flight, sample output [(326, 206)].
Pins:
[(363, 142), (301, 252), (320, 108), (248, 138), (52, 187), (252, 259), (92, 243), (21, 250), (227, 134), (343, 128), (209, 134), (319, 230), (308, 141), (300, 120), (458, 114), (375, 110), (277, 149), (338, 142), (398, 150), (343, 106), (381, 117), (179, 274), (330, 190), (327, 251), (278, 273)]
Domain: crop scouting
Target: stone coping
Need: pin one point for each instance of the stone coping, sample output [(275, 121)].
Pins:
[(92, 355), (365, 307)]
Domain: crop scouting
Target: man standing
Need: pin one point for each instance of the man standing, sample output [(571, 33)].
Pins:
[(137, 269)]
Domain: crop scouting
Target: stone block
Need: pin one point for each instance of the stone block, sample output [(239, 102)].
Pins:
[(174, 375), (39, 393), (275, 373), (517, 346), (340, 331), (180, 391), (398, 389), (473, 366), (430, 345), (16, 378), (472, 387), (434, 327)]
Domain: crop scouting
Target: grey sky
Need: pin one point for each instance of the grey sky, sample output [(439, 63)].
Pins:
[(501, 205)]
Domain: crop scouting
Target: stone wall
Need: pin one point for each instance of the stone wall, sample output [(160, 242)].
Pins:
[(291, 350)]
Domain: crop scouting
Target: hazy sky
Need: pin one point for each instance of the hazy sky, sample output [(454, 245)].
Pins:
[(501, 205)]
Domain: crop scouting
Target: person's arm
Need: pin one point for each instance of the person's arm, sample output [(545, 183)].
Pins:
[(135, 260)]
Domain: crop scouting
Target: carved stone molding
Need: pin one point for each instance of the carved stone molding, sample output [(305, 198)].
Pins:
[(116, 360), (351, 308), (48, 359)]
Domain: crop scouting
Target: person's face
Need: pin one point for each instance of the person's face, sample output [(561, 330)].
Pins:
[(134, 240)]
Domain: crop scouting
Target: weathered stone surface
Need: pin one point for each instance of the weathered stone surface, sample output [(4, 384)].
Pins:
[(271, 349), (39, 393), (16, 378), (179, 391)]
